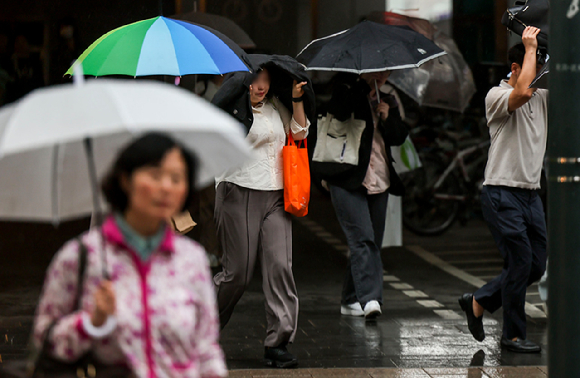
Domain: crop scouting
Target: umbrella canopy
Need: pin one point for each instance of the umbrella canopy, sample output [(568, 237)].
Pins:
[(220, 23), (369, 47), (42, 137), (420, 25), (445, 83), (162, 46)]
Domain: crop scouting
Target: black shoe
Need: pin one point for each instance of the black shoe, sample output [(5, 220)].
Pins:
[(474, 324), (520, 345), (279, 357)]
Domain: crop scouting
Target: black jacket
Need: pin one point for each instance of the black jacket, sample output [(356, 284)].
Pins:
[(351, 96), (234, 94)]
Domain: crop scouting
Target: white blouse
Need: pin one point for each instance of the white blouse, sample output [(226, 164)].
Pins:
[(267, 136)]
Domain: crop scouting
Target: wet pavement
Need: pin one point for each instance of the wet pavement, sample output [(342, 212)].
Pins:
[(422, 332), (501, 372)]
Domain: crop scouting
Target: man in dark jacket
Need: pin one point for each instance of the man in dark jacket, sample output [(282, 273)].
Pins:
[(360, 192)]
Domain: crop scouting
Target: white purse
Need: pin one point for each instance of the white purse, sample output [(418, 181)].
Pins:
[(338, 142)]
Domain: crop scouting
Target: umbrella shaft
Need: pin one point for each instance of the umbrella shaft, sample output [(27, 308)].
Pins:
[(97, 213), (88, 142)]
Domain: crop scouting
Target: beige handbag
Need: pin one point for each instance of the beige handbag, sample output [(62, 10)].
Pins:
[(338, 142), (182, 223)]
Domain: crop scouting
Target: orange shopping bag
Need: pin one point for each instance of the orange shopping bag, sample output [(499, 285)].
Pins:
[(296, 177)]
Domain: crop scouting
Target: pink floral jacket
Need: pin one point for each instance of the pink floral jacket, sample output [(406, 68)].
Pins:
[(166, 315)]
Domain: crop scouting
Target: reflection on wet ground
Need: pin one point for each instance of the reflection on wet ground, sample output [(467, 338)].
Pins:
[(510, 372)]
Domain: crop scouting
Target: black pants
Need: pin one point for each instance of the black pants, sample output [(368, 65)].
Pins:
[(516, 220), (362, 218)]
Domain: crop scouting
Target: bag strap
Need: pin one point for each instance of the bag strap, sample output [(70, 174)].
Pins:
[(83, 256), (82, 266)]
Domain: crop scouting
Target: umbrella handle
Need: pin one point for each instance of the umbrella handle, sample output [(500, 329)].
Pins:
[(98, 214)]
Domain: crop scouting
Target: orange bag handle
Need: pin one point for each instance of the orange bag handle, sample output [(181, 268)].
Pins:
[(291, 142)]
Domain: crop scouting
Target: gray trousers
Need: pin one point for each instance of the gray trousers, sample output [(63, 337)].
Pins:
[(252, 224)]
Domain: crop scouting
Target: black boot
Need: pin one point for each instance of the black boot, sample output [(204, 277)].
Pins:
[(279, 357)]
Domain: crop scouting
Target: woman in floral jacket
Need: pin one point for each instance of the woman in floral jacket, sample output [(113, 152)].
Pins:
[(156, 312)]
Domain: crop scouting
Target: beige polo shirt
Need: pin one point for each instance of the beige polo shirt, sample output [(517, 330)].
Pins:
[(518, 139)]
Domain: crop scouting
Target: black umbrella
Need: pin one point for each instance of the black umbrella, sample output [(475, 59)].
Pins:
[(369, 47)]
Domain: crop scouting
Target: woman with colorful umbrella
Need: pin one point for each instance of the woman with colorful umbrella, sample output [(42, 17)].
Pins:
[(360, 187), (249, 213)]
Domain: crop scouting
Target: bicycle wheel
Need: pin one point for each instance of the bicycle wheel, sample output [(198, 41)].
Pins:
[(423, 212)]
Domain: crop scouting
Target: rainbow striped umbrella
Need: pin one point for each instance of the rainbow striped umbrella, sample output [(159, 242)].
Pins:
[(162, 46)]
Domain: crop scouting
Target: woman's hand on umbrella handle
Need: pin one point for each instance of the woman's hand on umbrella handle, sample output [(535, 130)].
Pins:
[(383, 110), (105, 303), (297, 90)]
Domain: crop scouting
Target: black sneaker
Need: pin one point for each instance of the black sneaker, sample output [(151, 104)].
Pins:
[(474, 323), (279, 357)]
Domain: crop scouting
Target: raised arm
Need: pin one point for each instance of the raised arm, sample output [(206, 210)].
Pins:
[(522, 93)]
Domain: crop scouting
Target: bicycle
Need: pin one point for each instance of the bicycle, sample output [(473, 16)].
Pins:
[(446, 187)]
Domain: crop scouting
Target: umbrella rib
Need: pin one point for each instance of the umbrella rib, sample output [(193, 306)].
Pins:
[(321, 39)]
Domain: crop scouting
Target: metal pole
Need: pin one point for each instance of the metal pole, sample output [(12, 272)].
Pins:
[(564, 190)]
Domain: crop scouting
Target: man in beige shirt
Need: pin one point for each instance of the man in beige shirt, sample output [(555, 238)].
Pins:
[(517, 118)]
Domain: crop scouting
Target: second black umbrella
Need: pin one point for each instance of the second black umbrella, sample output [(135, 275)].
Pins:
[(369, 47)]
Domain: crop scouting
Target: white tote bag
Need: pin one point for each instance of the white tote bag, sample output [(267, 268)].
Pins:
[(338, 142)]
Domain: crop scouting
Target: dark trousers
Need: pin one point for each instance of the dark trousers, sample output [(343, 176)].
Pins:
[(362, 218), (516, 220)]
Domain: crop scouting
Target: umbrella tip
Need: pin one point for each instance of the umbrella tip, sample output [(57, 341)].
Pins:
[(78, 74)]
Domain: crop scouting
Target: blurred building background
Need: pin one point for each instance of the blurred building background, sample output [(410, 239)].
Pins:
[(40, 38)]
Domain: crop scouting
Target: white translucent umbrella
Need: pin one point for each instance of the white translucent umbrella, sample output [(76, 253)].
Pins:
[(58, 141)]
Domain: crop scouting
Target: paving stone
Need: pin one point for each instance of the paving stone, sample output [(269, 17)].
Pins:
[(340, 373), (514, 372), (455, 372)]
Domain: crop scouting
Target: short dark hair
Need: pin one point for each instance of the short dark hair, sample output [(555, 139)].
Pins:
[(517, 52), (146, 151)]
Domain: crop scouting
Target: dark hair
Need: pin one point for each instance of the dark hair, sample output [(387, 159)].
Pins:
[(517, 52), (146, 151)]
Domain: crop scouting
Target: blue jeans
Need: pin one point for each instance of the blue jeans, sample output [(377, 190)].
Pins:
[(516, 220), (362, 218)]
